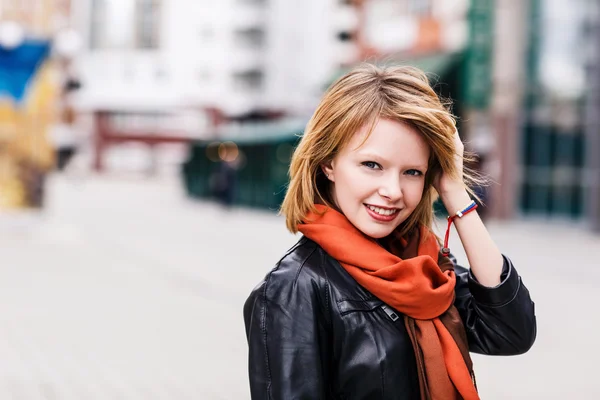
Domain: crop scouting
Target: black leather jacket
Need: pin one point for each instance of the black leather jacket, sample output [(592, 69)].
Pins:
[(315, 333)]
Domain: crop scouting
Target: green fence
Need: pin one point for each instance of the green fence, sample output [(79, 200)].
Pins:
[(553, 166), (261, 176)]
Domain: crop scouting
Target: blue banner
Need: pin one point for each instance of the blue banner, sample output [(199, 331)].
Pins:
[(18, 66)]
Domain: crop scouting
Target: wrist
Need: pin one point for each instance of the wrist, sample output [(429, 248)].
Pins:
[(455, 200)]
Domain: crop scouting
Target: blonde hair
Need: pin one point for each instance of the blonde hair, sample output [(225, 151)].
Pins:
[(360, 98)]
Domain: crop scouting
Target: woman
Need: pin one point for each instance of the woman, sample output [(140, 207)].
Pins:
[(366, 305)]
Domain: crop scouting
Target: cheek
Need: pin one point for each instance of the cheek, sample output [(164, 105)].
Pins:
[(351, 183), (361, 188), (414, 194)]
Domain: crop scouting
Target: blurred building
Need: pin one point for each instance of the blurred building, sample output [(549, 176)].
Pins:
[(592, 117), (412, 27), (555, 178), (40, 18), (526, 74), (238, 56), (310, 44), (515, 70), (157, 72)]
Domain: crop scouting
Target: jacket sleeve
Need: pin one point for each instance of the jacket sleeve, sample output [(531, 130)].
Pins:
[(286, 332), (499, 320)]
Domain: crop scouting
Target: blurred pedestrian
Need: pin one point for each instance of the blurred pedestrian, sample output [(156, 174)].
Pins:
[(64, 134), (368, 305), (224, 183), (64, 137)]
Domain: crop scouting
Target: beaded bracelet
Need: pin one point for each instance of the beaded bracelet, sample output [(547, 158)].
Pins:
[(459, 214)]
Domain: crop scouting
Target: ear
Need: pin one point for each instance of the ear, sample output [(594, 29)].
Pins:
[(327, 168)]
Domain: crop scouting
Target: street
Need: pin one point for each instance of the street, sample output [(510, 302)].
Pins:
[(125, 289)]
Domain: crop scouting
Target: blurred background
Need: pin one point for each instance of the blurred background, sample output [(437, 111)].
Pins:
[(144, 147)]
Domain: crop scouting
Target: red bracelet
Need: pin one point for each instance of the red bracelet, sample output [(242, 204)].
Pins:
[(459, 214)]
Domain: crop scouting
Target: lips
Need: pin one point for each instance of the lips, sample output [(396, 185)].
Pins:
[(382, 214)]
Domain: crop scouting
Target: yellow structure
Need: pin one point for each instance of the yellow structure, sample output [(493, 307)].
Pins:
[(26, 154)]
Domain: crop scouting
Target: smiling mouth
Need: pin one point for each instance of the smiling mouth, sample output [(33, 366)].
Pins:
[(384, 212)]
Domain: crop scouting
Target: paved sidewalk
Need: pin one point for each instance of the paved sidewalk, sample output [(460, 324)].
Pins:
[(124, 289)]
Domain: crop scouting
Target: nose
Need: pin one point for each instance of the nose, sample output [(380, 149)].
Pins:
[(391, 188)]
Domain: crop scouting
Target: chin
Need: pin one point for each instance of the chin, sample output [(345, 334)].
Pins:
[(377, 233)]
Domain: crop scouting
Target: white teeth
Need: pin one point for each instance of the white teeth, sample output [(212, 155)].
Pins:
[(382, 211)]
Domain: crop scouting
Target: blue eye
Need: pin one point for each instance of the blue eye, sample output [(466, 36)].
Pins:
[(371, 165), (414, 172)]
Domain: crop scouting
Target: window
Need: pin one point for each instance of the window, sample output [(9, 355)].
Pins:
[(251, 38), (112, 24), (419, 7), (257, 2), (123, 24), (147, 22), (160, 73), (206, 34), (204, 75), (250, 80), (97, 25), (345, 36)]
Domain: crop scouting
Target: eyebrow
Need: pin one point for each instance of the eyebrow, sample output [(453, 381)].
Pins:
[(378, 158)]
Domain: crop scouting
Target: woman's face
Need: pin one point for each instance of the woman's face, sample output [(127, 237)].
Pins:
[(379, 184)]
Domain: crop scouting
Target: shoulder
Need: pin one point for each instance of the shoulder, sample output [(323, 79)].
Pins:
[(302, 266), (298, 284), (301, 269)]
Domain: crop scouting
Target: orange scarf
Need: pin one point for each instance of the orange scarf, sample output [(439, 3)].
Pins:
[(419, 285)]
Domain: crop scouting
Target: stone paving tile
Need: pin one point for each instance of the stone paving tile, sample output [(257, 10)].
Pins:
[(127, 290)]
